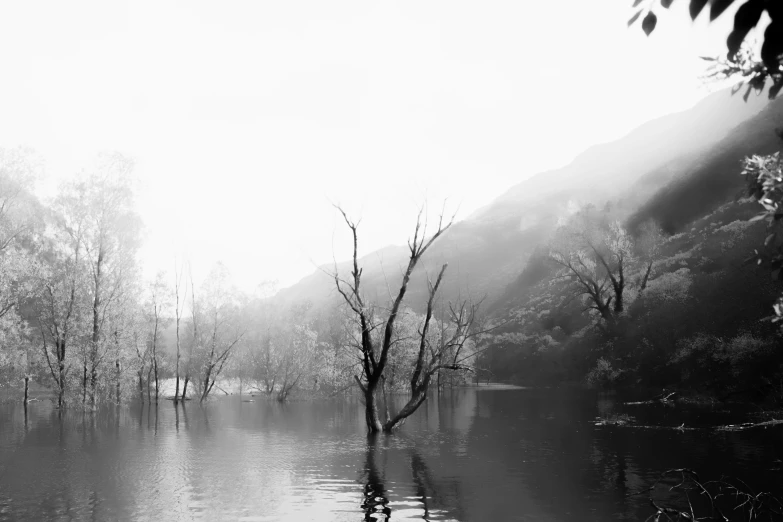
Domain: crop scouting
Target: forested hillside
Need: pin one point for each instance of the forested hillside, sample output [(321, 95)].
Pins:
[(690, 303)]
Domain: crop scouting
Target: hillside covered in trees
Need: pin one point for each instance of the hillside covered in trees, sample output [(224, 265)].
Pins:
[(671, 199)]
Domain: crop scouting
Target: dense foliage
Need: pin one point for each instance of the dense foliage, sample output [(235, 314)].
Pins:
[(696, 323)]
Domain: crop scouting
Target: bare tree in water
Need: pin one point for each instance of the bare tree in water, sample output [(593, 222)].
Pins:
[(218, 327), (375, 353), (157, 322), (179, 303)]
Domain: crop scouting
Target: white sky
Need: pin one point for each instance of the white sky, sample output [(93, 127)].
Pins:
[(248, 118)]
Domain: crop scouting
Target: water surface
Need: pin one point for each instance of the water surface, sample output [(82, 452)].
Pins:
[(468, 455)]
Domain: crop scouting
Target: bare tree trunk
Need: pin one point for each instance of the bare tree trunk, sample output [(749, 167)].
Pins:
[(418, 396), (207, 387), (371, 416), (157, 382), (117, 368), (154, 366), (176, 312), (26, 387), (84, 382), (96, 328), (646, 277), (93, 387), (374, 362), (149, 383), (385, 399), (185, 386), (60, 346)]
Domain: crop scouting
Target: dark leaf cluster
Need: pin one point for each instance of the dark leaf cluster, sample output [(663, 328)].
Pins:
[(747, 17)]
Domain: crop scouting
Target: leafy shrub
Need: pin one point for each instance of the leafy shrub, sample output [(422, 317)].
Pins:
[(603, 375), (741, 364)]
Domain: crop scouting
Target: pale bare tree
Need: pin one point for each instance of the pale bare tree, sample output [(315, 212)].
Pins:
[(62, 303), (102, 204), (603, 260), (648, 248), (179, 303), (218, 327), (157, 306)]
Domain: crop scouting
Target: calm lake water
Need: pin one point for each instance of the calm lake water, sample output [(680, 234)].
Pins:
[(469, 455)]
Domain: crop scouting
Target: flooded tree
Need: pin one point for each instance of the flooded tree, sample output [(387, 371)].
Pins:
[(98, 213), (61, 304), (20, 223), (375, 355), (218, 327), (443, 352), (180, 298), (157, 307), (376, 350), (142, 351), (295, 358)]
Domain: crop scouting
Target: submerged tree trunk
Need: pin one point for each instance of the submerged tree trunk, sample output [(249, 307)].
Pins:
[(371, 415), (60, 346), (418, 396), (26, 387)]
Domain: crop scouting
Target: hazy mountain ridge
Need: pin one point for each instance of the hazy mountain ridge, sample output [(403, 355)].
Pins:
[(659, 161)]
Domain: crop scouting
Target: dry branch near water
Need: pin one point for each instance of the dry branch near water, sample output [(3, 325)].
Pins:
[(626, 421), (679, 494), (665, 398)]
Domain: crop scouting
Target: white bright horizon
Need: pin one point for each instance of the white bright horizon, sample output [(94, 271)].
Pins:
[(248, 119)]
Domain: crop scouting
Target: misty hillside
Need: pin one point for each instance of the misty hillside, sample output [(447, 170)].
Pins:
[(712, 175), (659, 168)]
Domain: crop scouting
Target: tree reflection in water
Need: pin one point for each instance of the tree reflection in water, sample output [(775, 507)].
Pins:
[(376, 500), (434, 496)]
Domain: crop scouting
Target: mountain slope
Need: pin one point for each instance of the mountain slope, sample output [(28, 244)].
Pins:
[(714, 175), (664, 160)]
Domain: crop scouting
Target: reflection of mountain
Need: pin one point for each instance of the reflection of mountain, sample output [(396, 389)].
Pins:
[(674, 169)]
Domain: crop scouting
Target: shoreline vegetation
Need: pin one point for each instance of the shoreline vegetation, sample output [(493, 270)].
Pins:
[(769, 416)]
